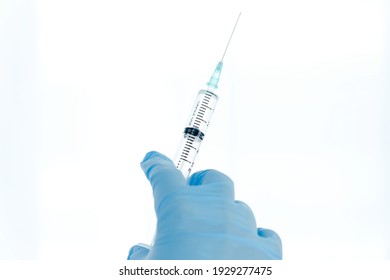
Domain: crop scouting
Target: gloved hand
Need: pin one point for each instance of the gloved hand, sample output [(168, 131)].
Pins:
[(199, 219)]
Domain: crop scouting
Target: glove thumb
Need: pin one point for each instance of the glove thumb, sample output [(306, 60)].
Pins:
[(138, 252)]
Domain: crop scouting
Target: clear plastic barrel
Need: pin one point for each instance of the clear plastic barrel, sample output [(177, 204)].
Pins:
[(195, 131)]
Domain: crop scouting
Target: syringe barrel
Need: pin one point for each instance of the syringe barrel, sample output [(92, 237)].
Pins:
[(195, 130)]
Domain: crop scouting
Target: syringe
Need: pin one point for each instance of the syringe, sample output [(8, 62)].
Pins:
[(199, 119)]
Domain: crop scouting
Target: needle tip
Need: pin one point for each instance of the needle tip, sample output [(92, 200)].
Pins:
[(231, 35)]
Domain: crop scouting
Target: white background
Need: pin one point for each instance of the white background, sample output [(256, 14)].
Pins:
[(88, 87)]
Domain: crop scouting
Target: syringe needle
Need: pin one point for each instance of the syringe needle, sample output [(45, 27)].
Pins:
[(231, 35), (213, 82)]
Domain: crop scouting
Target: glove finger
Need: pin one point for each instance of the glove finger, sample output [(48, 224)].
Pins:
[(138, 252), (213, 180), (275, 243), (162, 175), (246, 211), (267, 233)]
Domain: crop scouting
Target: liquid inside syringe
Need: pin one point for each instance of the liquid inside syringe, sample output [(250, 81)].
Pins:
[(195, 130)]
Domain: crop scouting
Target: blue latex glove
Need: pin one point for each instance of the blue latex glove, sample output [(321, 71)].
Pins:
[(199, 218)]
